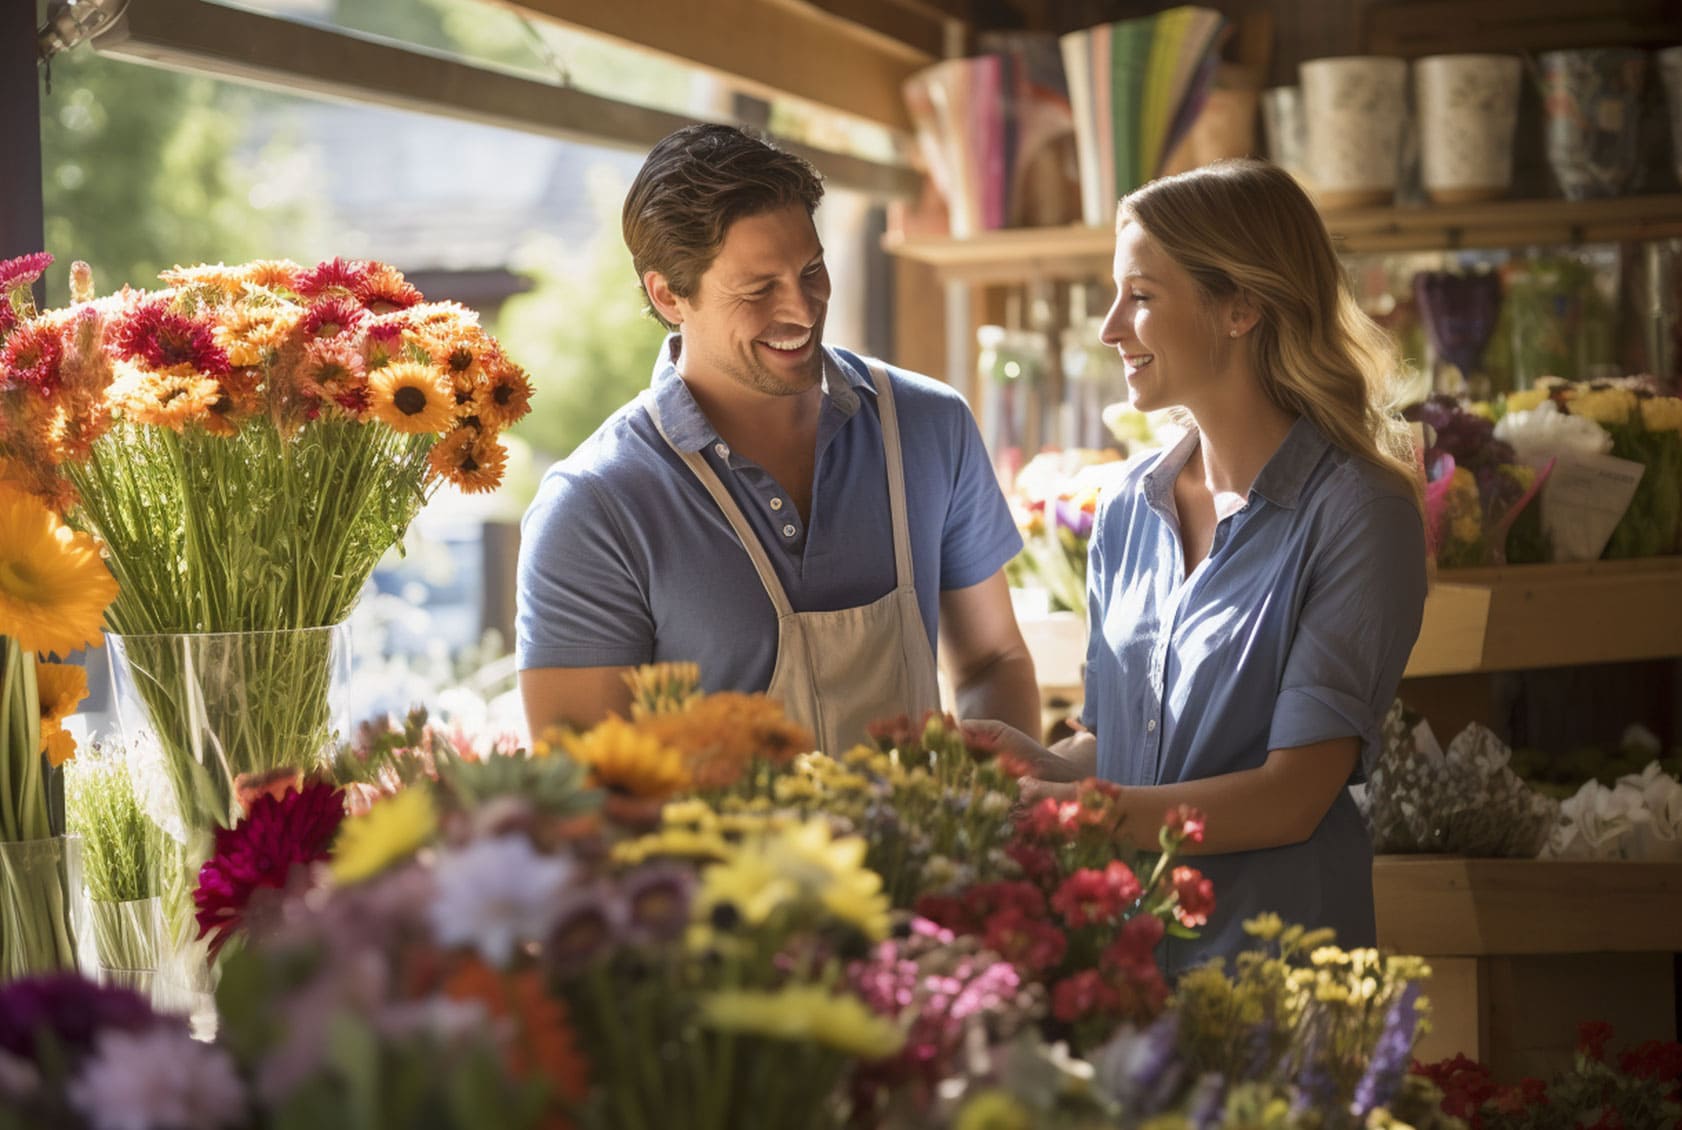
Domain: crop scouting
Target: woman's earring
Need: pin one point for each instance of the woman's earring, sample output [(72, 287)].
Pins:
[(1234, 333)]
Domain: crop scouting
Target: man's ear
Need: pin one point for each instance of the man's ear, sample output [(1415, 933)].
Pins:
[(660, 296)]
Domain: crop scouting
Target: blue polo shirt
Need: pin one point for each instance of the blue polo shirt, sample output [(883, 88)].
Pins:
[(1294, 630), (625, 559)]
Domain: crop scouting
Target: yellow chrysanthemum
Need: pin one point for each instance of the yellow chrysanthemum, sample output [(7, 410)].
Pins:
[(1526, 399), (804, 1013), (412, 398), (1607, 406), (623, 759), (673, 843), (1662, 414), (170, 399), (805, 868), (1264, 927), (54, 588), (470, 460), (994, 1109), (392, 830)]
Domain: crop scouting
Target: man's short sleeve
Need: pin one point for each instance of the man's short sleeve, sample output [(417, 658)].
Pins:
[(581, 601), (980, 536), (1358, 624)]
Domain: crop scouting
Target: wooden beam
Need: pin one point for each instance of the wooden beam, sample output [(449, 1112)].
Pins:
[(1429, 27), (770, 47), (243, 46), (21, 202)]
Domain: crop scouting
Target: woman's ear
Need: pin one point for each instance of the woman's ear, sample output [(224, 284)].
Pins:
[(1242, 315), (660, 296)]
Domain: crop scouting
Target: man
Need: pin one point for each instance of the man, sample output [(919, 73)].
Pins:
[(793, 519)]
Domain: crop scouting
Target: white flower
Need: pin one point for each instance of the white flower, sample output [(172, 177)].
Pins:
[(158, 1079), (495, 894), (1544, 431), (1598, 822)]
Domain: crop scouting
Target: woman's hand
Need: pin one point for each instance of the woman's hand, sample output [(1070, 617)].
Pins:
[(1064, 764), (1031, 789)]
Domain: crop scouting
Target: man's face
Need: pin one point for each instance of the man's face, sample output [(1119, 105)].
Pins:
[(756, 317)]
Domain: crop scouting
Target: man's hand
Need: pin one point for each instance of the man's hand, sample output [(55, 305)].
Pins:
[(1072, 760)]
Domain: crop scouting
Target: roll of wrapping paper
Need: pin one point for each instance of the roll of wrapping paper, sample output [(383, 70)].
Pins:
[(980, 122), (1135, 87)]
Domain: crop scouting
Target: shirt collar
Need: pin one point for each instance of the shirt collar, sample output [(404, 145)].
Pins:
[(1281, 480), (688, 427)]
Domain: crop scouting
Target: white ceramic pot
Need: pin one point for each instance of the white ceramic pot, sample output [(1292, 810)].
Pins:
[(1356, 109), (1467, 106)]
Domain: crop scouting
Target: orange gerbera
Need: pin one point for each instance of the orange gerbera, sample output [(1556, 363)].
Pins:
[(171, 399), (412, 398), (54, 587), (60, 687), (720, 735), (238, 399), (544, 1045), (470, 459)]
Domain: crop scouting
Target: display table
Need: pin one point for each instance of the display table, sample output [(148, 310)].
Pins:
[(1523, 950)]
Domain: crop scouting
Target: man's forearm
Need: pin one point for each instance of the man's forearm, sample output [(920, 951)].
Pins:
[(1006, 690)]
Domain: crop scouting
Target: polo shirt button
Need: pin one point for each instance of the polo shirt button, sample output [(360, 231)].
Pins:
[(723, 450), (776, 504), (788, 531), (1150, 727)]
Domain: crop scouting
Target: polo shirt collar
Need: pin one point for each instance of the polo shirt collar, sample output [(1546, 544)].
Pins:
[(688, 426)]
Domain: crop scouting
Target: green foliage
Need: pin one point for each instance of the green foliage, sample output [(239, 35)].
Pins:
[(581, 330)]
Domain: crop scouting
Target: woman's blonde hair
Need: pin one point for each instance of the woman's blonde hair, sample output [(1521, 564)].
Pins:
[(1245, 228)]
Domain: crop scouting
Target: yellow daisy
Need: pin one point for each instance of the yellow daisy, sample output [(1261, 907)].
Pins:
[(803, 867), (412, 398), (470, 460), (170, 399), (54, 587), (804, 1013), (391, 831), (623, 759)]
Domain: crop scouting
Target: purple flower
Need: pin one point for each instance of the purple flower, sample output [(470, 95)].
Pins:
[(72, 1011), (585, 925), (1142, 1068), (159, 1078), (1392, 1054), (657, 899), (1072, 517)]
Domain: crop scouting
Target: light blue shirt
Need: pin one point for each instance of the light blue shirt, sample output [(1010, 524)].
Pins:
[(1294, 630), (625, 559)]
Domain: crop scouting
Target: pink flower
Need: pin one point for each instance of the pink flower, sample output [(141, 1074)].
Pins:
[(1135, 945), (33, 357), (23, 271), (261, 850), (1075, 998), (158, 339), (335, 274), (1196, 896), (1183, 822)]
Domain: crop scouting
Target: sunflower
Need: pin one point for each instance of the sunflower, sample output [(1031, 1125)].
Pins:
[(471, 460), (391, 831), (623, 759), (54, 587), (412, 398), (172, 399), (504, 397)]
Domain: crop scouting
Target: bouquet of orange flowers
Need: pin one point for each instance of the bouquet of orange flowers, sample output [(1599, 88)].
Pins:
[(247, 442)]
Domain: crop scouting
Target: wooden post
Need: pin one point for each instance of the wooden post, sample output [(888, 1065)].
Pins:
[(21, 205)]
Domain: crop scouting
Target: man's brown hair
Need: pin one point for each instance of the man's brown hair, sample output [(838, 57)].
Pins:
[(693, 186)]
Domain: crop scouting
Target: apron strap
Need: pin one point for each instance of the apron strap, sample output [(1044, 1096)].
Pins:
[(732, 513), (903, 566)]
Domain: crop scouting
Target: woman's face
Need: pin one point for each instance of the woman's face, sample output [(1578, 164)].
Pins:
[(1168, 338)]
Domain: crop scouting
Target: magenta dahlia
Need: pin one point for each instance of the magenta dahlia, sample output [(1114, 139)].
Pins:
[(261, 850), (154, 337)]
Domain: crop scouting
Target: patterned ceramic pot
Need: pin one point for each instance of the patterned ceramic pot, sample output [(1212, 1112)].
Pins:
[(1467, 106), (1593, 100), (1285, 126), (1356, 111)]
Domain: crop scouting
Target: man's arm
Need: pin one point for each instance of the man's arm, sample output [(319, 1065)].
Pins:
[(573, 696), (984, 655)]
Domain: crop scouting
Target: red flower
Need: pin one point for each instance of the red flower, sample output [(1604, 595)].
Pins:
[(32, 357), (158, 339), (984, 899), (23, 271), (949, 911), (1032, 945), (1184, 822), (333, 316), (261, 850), (1089, 897), (1051, 819), (335, 274), (1036, 860), (1591, 1039), (1077, 997), (1655, 1059), (1196, 896), (1134, 948)]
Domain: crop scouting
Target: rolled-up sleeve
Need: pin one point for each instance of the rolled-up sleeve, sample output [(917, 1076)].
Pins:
[(578, 601), (1360, 617)]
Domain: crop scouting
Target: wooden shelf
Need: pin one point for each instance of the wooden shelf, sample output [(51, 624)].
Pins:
[(1026, 254), (1528, 616), (1450, 905)]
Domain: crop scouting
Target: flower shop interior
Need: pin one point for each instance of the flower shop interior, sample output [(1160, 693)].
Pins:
[(380, 900)]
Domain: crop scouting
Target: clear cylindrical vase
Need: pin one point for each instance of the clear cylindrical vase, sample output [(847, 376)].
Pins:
[(127, 939), (43, 911)]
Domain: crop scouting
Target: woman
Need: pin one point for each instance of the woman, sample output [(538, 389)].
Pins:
[(1254, 591)]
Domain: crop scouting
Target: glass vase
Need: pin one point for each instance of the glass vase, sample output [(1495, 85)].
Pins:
[(43, 911), (127, 938)]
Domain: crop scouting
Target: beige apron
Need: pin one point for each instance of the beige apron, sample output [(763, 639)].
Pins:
[(837, 671)]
